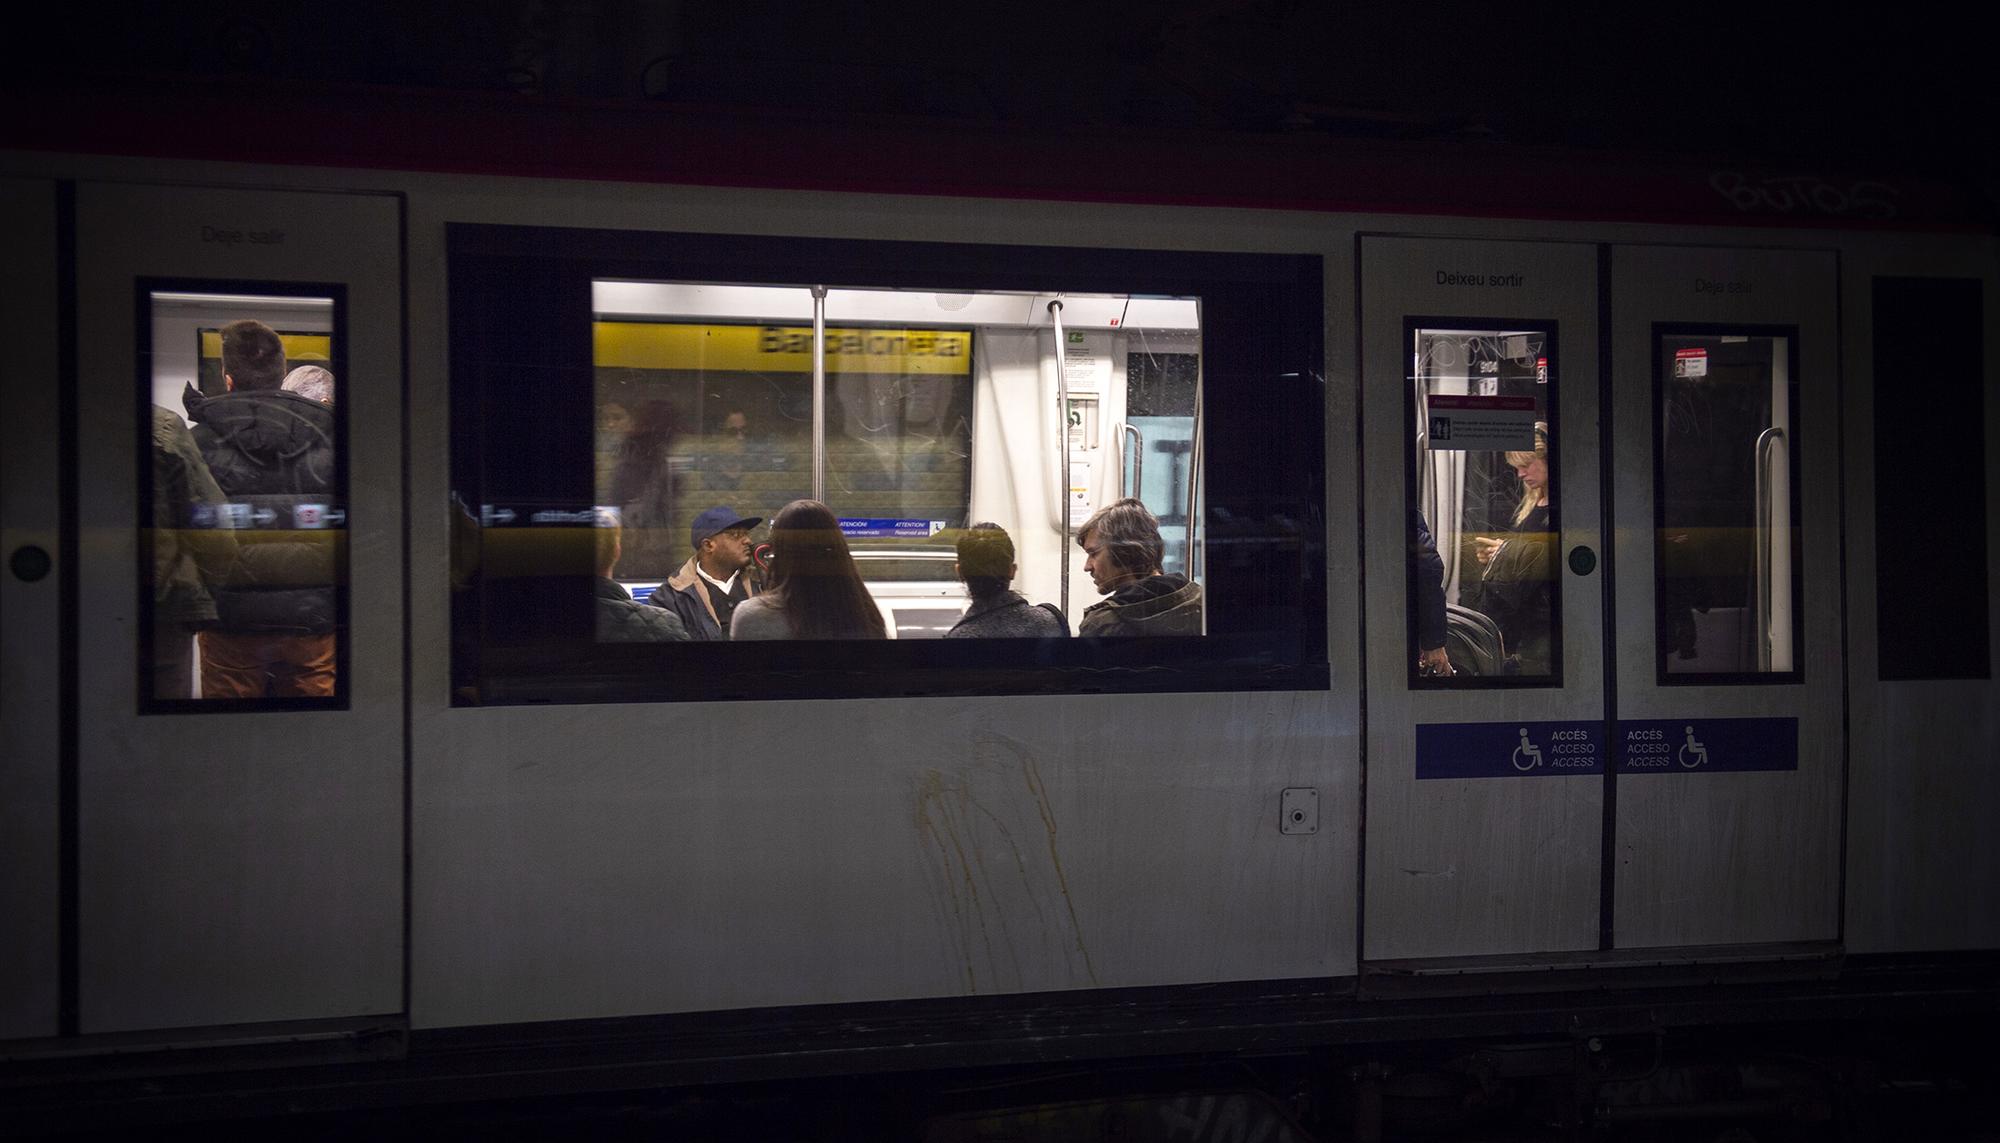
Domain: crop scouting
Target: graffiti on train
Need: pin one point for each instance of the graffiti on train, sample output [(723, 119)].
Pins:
[(1235, 1117), (1805, 195), (1219, 1117), (993, 863)]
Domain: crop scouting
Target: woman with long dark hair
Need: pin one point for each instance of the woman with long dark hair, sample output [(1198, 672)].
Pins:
[(813, 590)]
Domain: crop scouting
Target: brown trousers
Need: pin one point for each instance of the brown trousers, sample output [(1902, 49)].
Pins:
[(257, 665)]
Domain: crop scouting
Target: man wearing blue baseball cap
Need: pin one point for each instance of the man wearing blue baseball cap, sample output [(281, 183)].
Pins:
[(705, 592)]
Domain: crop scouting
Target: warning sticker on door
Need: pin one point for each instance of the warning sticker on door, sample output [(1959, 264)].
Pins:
[(1691, 362), (1468, 423)]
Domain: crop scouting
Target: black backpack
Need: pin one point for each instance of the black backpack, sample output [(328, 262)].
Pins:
[(1473, 641)]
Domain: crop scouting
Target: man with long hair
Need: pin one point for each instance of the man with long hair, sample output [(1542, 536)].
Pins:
[(1123, 553)]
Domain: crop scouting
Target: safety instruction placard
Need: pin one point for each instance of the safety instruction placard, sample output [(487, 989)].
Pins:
[(1086, 362), (908, 529), (1509, 749), (1711, 745), (1464, 422), (1690, 363)]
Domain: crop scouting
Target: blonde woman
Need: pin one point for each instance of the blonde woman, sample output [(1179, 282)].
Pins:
[(1518, 578)]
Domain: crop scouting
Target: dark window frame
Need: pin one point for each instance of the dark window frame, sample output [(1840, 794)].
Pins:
[(520, 314)]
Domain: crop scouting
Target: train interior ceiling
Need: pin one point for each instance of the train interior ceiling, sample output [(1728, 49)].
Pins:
[(1470, 635)]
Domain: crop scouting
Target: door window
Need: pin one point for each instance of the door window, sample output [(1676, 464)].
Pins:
[(243, 518), (1727, 574), (1483, 519)]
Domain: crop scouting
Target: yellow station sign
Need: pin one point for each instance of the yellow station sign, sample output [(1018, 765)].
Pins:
[(779, 348)]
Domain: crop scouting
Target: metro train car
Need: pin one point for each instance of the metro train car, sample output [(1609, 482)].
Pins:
[(1578, 597)]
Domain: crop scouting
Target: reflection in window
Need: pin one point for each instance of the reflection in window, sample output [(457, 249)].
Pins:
[(1482, 528), (244, 556), (1727, 554), (938, 412)]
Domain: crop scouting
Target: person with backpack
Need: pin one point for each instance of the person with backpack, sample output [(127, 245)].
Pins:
[(986, 567)]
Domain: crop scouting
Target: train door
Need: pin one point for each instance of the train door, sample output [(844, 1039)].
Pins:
[(238, 760), (29, 877), (1157, 460), (1485, 780), (1729, 707)]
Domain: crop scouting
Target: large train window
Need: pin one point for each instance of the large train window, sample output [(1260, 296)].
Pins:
[(1727, 570), (699, 467), (242, 507), (1483, 519)]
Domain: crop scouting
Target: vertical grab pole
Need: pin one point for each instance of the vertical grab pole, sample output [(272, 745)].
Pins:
[(819, 393), (1062, 448), (1766, 510), (1194, 470)]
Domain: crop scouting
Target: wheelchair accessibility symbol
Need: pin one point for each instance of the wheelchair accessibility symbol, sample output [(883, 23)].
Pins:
[(1527, 755), (1692, 753)]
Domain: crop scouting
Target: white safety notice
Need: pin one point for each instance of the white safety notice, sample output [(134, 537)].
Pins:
[(1086, 362), (1691, 362), (1078, 493), (1468, 423)]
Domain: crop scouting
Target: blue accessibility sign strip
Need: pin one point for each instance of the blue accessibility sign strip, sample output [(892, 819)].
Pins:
[(1509, 749), (919, 529), (1697, 745)]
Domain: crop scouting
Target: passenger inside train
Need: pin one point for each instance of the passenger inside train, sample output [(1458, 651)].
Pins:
[(918, 412), (816, 592), (720, 574), (243, 498), (1483, 518), (1125, 557), (986, 566), (1518, 569), (620, 618)]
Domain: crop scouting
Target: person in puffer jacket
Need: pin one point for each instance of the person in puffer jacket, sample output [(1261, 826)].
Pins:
[(272, 453), (621, 619), (190, 553), (1123, 550)]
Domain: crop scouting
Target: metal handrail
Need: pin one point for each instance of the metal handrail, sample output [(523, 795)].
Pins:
[(819, 393), (1194, 470), (1766, 509), (1062, 449), (1138, 461)]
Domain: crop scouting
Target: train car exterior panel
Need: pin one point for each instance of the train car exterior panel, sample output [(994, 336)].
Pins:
[(807, 852), (602, 860), (1734, 857), (1923, 863), (30, 613), (967, 848), (1503, 863), (244, 866)]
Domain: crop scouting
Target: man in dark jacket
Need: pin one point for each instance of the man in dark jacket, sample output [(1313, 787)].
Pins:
[(715, 579), (620, 619), (1427, 597), (272, 454), (986, 564), (1123, 551), (191, 553)]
